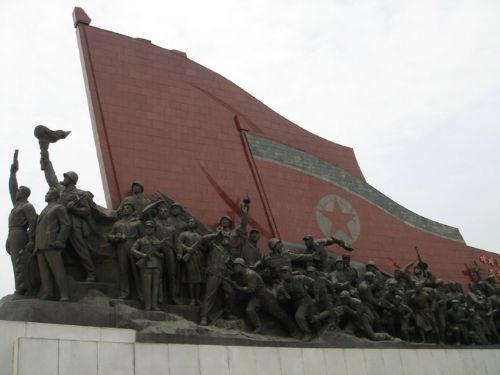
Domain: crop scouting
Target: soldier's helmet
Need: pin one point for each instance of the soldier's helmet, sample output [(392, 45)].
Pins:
[(308, 237), (454, 302), (177, 204), (345, 294), (150, 224), (369, 276), (239, 261), (273, 242), (73, 176), (127, 204), (311, 269), (226, 218), (138, 183), (284, 269), (391, 282)]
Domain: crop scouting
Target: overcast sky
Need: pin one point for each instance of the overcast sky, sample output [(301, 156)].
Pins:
[(412, 86)]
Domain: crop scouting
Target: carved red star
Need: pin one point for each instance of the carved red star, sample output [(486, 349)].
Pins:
[(338, 219)]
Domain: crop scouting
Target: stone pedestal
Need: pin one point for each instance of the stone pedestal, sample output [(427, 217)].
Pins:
[(52, 349)]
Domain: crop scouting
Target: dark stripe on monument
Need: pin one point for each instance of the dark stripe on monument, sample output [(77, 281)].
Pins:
[(276, 152)]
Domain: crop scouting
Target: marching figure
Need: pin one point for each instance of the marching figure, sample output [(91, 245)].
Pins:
[(148, 250)]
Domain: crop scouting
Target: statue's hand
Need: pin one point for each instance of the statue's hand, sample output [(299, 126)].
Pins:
[(29, 247), (14, 167), (58, 245)]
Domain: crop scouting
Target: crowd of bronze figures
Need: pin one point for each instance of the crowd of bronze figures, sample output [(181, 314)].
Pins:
[(164, 256)]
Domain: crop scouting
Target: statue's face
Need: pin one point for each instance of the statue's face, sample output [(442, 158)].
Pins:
[(344, 300), (127, 210), (175, 210), (237, 268), (51, 195), (285, 275), (339, 266), (66, 181), (22, 193), (309, 242), (254, 236), (136, 189), (192, 224), (369, 277), (225, 222), (149, 230), (163, 213), (279, 247), (346, 260)]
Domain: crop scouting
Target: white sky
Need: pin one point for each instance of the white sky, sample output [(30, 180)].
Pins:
[(412, 86)]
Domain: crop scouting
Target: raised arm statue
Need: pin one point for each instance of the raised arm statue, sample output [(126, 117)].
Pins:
[(22, 220), (77, 202)]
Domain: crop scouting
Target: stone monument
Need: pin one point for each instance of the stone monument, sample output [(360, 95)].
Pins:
[(151, 285)]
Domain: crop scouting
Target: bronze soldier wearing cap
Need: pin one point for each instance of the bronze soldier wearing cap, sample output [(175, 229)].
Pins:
[(279, 257), (317, 248), (148, 250), (234, 238), (137, 199), (78, 205), (192, 271), (167, 229), (123, 235), (295, 289)]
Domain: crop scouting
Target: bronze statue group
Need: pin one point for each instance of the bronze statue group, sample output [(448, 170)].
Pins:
[(164, 256)]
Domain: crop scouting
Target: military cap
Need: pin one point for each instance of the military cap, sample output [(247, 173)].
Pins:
[(239, 261)]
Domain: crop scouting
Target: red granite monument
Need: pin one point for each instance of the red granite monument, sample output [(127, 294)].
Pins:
[(191, 134)]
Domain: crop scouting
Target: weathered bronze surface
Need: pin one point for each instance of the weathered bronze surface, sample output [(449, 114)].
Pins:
[(152, 254)]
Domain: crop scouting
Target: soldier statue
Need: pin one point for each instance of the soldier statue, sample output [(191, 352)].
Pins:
[(251, 253), (167, 229), (77, 203), (123, 235), (137, 198), (189, 253), (317, 248), (234, 238), (21, 236), (252, 284), (148, 250), (295, 290), (52, 229)]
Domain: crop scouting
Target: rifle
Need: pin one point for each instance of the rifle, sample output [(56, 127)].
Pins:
[(342, 244), (421, 264), (396, 266), (195, 247)]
